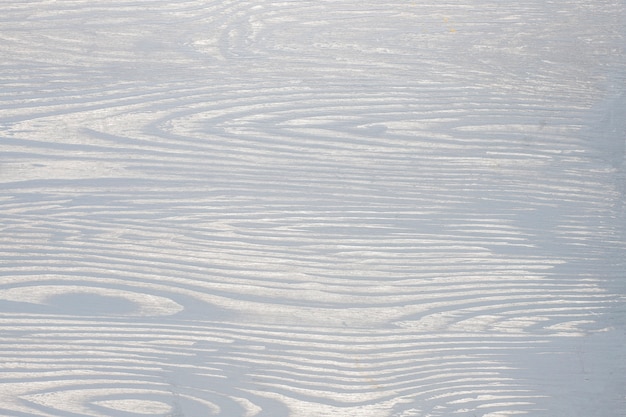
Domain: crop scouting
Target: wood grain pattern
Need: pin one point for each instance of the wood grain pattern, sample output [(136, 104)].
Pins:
[(312, 208)]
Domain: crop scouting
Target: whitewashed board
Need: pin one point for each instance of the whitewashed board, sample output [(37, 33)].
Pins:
[(312, 208)]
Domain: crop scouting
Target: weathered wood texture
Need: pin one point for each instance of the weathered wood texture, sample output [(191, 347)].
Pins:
[(312, 208)]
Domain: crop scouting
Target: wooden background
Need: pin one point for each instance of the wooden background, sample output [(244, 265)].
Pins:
[(312, 208)]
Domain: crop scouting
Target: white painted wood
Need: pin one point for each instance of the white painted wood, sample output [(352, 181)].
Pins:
[(312, 208)]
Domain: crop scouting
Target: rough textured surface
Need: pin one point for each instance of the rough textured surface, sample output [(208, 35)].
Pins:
[(312, 208)]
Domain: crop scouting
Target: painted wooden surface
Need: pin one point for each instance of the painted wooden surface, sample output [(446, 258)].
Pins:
[(312, 208)]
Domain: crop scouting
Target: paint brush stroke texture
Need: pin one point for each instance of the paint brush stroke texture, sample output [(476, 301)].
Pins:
[(312, 208)]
